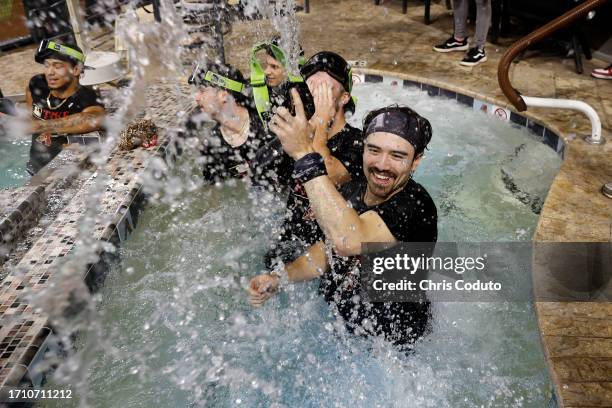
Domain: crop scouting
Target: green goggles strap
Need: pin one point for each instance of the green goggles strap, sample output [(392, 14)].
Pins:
[(223, 82), (279, 54), (258, 75), (62, 49), (262, 101)]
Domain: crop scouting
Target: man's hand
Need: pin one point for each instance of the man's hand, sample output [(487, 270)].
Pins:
[(262, 288), (45, 138), (325, 108), (294, 132)]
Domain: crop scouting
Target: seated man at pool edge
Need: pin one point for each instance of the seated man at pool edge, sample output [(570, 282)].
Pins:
[(386, 206), (59, 104)]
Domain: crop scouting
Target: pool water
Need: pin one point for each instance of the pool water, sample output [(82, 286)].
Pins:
[(14, 155), (178, 329)]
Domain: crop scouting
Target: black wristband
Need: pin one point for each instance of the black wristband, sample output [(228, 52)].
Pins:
[(308, 167)]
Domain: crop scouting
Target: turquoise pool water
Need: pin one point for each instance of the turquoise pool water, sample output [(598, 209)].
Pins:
[(178, 330), (14, 155)]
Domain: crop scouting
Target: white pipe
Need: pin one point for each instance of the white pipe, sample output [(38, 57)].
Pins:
[(570, 104)]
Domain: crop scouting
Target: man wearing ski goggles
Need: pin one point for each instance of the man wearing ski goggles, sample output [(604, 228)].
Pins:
[(238, 133), (271, 78)]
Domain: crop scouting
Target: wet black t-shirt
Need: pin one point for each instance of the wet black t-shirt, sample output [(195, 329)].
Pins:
[(300, 228), (222, 160), (55, 108), (411, 216)]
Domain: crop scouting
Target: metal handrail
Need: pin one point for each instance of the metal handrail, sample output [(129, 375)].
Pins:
[(520, 102), (560, 22)]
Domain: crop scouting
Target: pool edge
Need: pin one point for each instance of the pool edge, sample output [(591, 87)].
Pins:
[(569, 393)]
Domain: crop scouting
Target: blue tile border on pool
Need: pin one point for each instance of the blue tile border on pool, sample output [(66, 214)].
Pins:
[(518, 119), (545, 135), (465, 100), (448, 94), (550, 139), (536, 128), (373, 78), (408, 83)]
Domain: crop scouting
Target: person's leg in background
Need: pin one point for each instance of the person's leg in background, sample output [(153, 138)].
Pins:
[(458, 41), (460, 15), (483, 22), (476, 54)]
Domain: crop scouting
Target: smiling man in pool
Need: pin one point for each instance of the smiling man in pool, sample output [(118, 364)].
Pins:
[(385, 206)]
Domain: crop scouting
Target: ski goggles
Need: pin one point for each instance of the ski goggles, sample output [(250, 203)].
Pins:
[(199, 77), (331, 63), (48, 48), (257, 71)]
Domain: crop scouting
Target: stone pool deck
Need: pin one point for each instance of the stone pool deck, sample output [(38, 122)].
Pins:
[(577, 337)]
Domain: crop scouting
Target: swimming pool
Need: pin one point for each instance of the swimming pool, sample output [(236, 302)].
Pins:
[(178, 329), (14, 155)]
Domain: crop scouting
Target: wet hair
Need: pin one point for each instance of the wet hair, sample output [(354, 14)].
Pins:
[(276, 40)]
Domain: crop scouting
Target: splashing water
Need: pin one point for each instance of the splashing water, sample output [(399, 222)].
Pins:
[(178, 330)]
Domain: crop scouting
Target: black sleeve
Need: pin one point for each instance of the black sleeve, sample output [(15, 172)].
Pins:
[(88, 97), (354, 158), (350, 152), (410, 220)]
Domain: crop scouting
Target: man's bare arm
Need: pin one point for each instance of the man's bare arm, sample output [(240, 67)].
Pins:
[(342, 224), (29, 100), (92, 118), (309, 266)]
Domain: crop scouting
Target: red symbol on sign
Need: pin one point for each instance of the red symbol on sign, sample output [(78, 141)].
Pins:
[(501, 113)]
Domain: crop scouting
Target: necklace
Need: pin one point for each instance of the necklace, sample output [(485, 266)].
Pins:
[(55, 107)]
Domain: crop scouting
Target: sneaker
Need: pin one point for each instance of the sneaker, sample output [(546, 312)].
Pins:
[(603, 73), (452, 45), (474, 57)]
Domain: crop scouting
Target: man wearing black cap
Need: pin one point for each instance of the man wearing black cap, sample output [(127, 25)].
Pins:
[(58, 103), (329, 79), (387, 206), (238, 133)]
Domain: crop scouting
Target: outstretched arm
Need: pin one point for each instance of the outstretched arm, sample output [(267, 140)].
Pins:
[(92, 118), (307, 267)]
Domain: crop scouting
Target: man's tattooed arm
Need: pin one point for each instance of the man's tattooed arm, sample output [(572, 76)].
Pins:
[(92, 118)]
